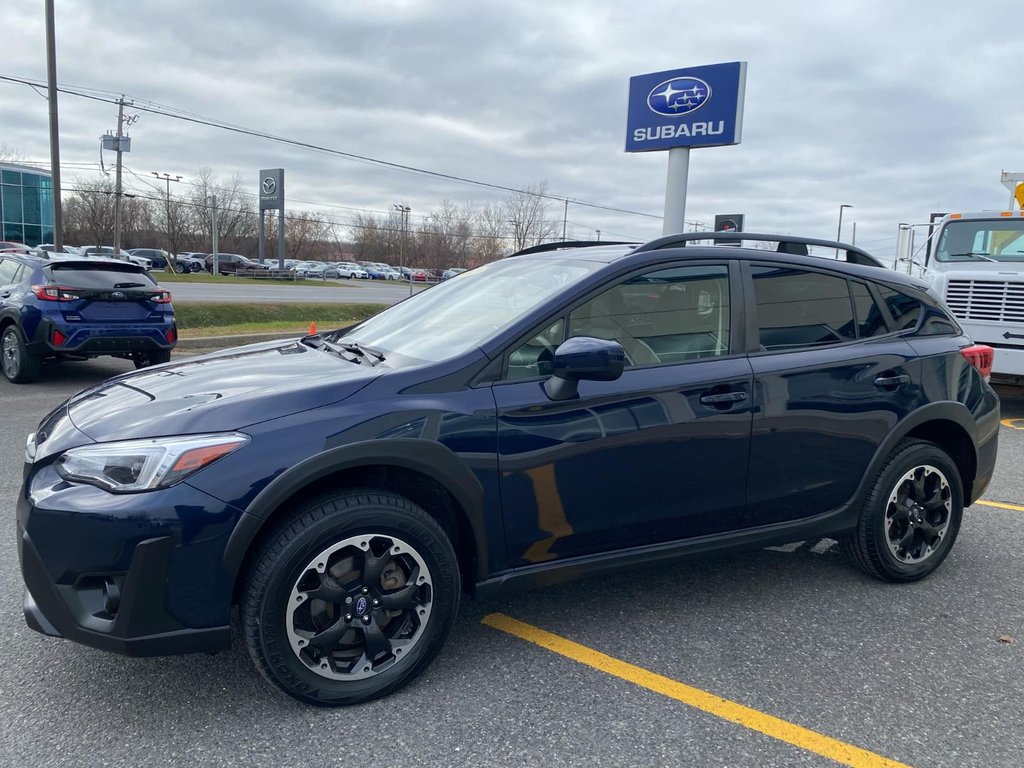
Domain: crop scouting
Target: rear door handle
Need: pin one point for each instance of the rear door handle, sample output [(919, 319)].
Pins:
[(723, 397), (892, 381)]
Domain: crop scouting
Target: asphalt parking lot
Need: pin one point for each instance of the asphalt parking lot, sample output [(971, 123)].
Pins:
[(809, 663), (343, 291)]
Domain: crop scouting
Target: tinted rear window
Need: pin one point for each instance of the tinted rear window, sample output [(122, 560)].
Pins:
[(906, 310), (801, 309), (100, 276)]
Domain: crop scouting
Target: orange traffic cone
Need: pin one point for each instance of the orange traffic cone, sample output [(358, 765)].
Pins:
[(312, 328)]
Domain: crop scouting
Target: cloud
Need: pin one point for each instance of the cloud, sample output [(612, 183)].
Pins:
[(875, 104)]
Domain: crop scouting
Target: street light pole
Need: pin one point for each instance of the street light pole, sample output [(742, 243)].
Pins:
[(598, 231), (839, 232), (403, 217), (51, 90)]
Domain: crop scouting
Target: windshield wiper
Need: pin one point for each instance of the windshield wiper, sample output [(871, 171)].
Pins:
[(356, 348), (974, 254)]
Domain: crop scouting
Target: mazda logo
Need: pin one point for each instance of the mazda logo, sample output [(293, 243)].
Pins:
[(679, 96), (269, 186)]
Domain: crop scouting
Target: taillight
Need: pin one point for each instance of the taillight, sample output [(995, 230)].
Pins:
[(58, 338), (160, 297), (54, 293), (170, 336), (981, 357)]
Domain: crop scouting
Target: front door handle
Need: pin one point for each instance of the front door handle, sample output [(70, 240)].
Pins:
[(723, 397), (892, 382)]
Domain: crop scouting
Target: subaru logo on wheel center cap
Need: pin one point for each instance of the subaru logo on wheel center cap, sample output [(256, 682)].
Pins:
[(361, 606), (679, 96)]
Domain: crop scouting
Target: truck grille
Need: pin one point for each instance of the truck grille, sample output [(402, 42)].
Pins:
[(994, 300)]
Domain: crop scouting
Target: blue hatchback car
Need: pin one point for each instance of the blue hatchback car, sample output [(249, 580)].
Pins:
[(75, 308), (541, 418)]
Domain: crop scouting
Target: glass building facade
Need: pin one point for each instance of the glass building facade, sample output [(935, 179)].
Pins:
[(26, 205)]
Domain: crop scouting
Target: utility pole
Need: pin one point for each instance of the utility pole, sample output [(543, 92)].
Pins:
[(213, 233), (51, 89), (168, 178), (117, 182), (598, 231), (565, 218)]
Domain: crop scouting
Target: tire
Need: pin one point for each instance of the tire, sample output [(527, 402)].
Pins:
[(19, 365), (156, 357), (180, 268), (282, 622), (911, 517)]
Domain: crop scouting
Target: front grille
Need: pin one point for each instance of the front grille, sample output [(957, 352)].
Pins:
[(995, 300)]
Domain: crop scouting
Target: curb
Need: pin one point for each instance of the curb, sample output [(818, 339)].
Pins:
[(223, 342)]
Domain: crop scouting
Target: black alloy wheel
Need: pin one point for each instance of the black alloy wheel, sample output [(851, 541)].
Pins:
[(912, 515), (350, 598), (18, 364)]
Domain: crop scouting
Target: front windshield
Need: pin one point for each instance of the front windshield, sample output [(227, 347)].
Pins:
[(457, 315), (966, 240)]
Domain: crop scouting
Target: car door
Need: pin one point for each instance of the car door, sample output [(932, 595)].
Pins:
[(659, 454), (10, 270), (831, 378)]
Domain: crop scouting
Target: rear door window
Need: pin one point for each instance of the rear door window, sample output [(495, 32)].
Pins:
[(100, 276), (8, 271), (797, 308)]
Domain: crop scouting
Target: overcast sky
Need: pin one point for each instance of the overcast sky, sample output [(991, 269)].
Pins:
[(898, 109)]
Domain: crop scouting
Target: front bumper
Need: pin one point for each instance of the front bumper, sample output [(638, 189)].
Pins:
[(137, 574)]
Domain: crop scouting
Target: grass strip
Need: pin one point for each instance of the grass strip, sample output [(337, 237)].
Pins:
[(228, 316)]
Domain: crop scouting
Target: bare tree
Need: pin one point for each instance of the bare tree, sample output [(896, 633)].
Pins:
[(489, 227), (9, 154), (527, 215), (303, 231), (237, 219)]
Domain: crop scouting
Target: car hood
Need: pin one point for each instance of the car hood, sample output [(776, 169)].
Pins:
[(218, 392)]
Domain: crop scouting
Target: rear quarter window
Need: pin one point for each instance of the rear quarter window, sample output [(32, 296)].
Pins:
[(905, 310), (99, 276)]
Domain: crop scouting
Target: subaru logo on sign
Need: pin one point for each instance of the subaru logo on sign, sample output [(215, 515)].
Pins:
[(269, 186), (679, 96), (361, 606)]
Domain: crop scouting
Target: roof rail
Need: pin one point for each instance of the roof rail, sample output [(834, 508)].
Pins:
[(787, 244), (557, 246)]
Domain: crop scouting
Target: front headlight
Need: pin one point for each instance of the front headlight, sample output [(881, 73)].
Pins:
[(143, 465)]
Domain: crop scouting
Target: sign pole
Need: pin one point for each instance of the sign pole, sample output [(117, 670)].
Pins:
[(262, 248), (675, 190), (280, 238)]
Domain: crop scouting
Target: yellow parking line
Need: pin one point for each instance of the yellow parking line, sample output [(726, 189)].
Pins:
[(833, 749), (1013, 423), (1001, 505)]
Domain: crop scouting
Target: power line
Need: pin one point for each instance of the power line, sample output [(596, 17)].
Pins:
[(178, 114)]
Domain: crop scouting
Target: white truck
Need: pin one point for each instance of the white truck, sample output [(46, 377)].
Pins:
[(975, 263)]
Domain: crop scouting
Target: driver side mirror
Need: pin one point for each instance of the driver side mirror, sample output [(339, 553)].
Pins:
[(583, 358)]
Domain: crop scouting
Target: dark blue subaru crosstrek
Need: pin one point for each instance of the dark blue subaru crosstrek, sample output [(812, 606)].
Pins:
[(540, 418), (72, 308)]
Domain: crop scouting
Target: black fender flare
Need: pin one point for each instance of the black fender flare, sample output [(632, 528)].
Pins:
[(427, 457), (949, 410)]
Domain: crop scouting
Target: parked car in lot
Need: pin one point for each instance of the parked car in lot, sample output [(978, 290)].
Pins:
[(375, 272), (74, 308), (541, 418), (448, 274), (310, 269), (190, 261), (7, 246), (351, 271), (108, 252), (420, 275), (232, 263), (157, 256), (52, 248)]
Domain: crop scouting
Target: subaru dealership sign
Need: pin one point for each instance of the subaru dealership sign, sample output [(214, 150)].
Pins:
[(693, 107)]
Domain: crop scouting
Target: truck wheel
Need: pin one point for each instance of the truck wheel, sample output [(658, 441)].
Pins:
[(19, 365), (350, 598), (912, 515)]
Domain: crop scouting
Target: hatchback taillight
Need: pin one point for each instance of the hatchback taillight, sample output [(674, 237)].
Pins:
[(981, 357), (160, 297), (54, 293)]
